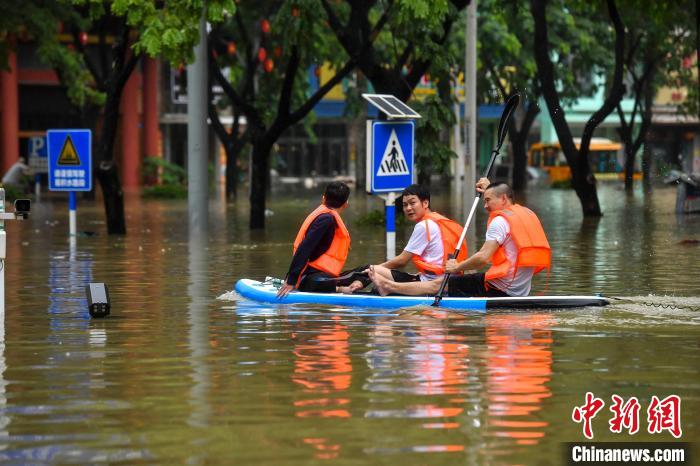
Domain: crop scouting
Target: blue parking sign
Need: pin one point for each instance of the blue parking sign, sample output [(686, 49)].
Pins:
[(391, 167), (38, 155), (70, 159)]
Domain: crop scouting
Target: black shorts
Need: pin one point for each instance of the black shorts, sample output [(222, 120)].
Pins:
[(471, 285), (404, 277), (316, 281)]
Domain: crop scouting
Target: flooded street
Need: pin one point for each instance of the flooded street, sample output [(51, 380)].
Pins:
[(183, 371)]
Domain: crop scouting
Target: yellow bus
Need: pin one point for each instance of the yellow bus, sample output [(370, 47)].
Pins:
[(606, 159)]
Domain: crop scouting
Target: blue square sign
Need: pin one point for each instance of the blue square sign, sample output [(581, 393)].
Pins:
[(70, 159), (391, 167)]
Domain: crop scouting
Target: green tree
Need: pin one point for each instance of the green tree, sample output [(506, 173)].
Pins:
[(661, 40), (94, 77), (583, 180), (505, 38), (266, 78), (415, 41), (506, 41)]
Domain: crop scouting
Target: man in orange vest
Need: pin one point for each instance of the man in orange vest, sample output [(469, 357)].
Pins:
[(321, 247), (433, 239), (515, 246)]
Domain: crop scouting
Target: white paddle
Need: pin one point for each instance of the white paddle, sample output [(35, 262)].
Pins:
[(511, 104)]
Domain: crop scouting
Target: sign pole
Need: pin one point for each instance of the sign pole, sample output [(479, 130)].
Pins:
[(390, 216), (390, 157), (70, 167), (37, 187), (3, 249), (72, 204)]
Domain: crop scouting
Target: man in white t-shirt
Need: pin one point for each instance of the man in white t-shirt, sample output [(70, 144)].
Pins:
[(510, 273), (426, 248), (517, 260)]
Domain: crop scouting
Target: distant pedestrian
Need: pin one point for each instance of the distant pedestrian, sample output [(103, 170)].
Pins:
[(17, 175)]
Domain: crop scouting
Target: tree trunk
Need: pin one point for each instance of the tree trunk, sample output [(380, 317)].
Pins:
[(108, 175), (107, 170), (583, 183), (582, 179), (233, 150), (646, 168), (258, 180), (625, 131), (629, 166), (424, 177), (519, 141)]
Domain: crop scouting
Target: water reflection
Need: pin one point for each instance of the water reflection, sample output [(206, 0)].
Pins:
[(198, 339), (176, 376), (322, 367), (424, 355), (519, 367), (4, 418)]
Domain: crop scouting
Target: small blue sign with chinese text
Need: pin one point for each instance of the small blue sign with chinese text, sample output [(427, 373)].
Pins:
[(70, 159)]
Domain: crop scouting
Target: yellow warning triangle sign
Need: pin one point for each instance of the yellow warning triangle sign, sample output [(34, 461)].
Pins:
[(68, 156)]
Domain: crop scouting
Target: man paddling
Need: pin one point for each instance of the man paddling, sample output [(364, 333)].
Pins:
[(434, 237), (321, 247), (515, 245)]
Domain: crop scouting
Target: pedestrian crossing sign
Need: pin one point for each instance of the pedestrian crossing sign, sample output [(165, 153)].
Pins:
[(391, 164)]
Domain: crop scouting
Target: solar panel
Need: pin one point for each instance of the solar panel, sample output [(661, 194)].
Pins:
[(408, 111), (391, 106), (389, 110)]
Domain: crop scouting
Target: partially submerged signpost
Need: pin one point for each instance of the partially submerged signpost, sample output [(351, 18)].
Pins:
[(70, 165), (390, 156)]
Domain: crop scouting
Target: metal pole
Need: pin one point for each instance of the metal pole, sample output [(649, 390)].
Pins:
[(37, 187), (197, 134), (470, 107), (3, 249), (457, 137), (72, 218), (390, 214)]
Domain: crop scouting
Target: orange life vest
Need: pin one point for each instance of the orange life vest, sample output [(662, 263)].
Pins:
[(530, 239), (333, 260), (450, 232)]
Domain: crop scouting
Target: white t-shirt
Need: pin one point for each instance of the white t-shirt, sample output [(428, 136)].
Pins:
[(431, 251), (518, 285)]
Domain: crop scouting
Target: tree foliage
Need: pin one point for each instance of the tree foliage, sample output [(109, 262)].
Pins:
[(261, 57), (397, 44), (582, 178), (658, 53)]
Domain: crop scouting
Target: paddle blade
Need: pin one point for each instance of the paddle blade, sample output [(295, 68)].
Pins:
[(511, 105)]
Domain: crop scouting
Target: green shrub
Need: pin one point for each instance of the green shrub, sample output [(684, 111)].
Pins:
[(13, 192), (165, 191), (171, 174), (173, 179), (377, 218), (561, 184)]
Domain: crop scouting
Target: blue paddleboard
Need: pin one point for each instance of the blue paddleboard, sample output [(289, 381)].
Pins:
[(267, 293)]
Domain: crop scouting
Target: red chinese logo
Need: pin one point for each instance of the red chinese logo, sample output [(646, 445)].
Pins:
[(625, 415), (665, 415), (587, 412), (661, 415)]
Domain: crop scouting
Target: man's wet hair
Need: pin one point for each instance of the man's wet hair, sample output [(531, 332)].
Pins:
[(417, 190), (502, 188), (336, 194)]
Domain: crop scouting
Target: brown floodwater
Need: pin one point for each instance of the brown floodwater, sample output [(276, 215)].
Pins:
[(184, 371)]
